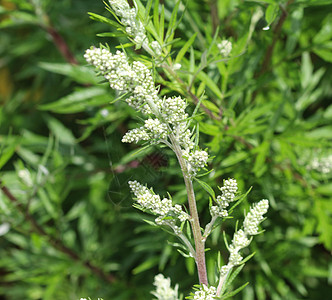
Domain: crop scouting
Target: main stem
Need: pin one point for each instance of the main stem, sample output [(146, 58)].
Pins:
[(196, 228)]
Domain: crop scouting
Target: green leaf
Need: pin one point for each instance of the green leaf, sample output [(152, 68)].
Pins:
[(78, 101), (260, 163), (146, 265), (80, 74), (325, 33), (127, 45), (148, 9), (234, 158), (206, 187), (247, 258), (162, 23), (104, 20), (209, 129), (233, 293), (324, 132), (241, 198), (271, 13), (47, 202), (324, 51), (6, 154), (172, 22), (156, 15), (306, 69), (210, 84), (112, 34), (63, 134), (185, 48), (232, 276), (325, 189)]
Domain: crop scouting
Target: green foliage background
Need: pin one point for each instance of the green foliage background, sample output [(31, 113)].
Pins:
[(267, 115)]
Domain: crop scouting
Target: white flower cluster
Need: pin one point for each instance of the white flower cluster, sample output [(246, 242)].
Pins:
[(255, 216), (164, 290), (184, 136), (225, 47), (173, 110), (195, 160), (147, 199), (228, 191), (322, 164), (135, 79), (205, 293), (153, 130), (134, 27), (240, 238)]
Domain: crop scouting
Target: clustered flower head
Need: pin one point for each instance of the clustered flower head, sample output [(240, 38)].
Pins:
[(135, 78), (169, 112), (147, 199), (134, 27), (205, 293), (153, 130), (241, 237), (228, 191), (225, 47), (164, 291), (195, 160), (322, 164)]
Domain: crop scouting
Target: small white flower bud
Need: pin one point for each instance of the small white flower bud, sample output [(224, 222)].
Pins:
[(225, 47)]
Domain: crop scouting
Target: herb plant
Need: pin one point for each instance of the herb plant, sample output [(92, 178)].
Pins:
[(168, 124), (244, 88)]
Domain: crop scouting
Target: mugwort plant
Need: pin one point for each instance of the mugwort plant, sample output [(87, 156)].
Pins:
[(167, 123)]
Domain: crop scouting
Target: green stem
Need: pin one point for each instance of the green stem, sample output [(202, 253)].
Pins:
[(208, 228), (222, 281), (188, 244), (199, 243)]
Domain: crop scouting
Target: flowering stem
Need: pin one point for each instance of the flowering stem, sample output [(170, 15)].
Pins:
[(199, 243)]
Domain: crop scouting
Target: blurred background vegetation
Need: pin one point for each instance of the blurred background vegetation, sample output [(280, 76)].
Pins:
[(67, 226)]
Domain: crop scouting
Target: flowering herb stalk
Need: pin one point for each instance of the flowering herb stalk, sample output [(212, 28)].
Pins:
[(167, 122)]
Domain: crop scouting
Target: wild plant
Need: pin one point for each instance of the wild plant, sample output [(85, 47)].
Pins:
[(167, 122)]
